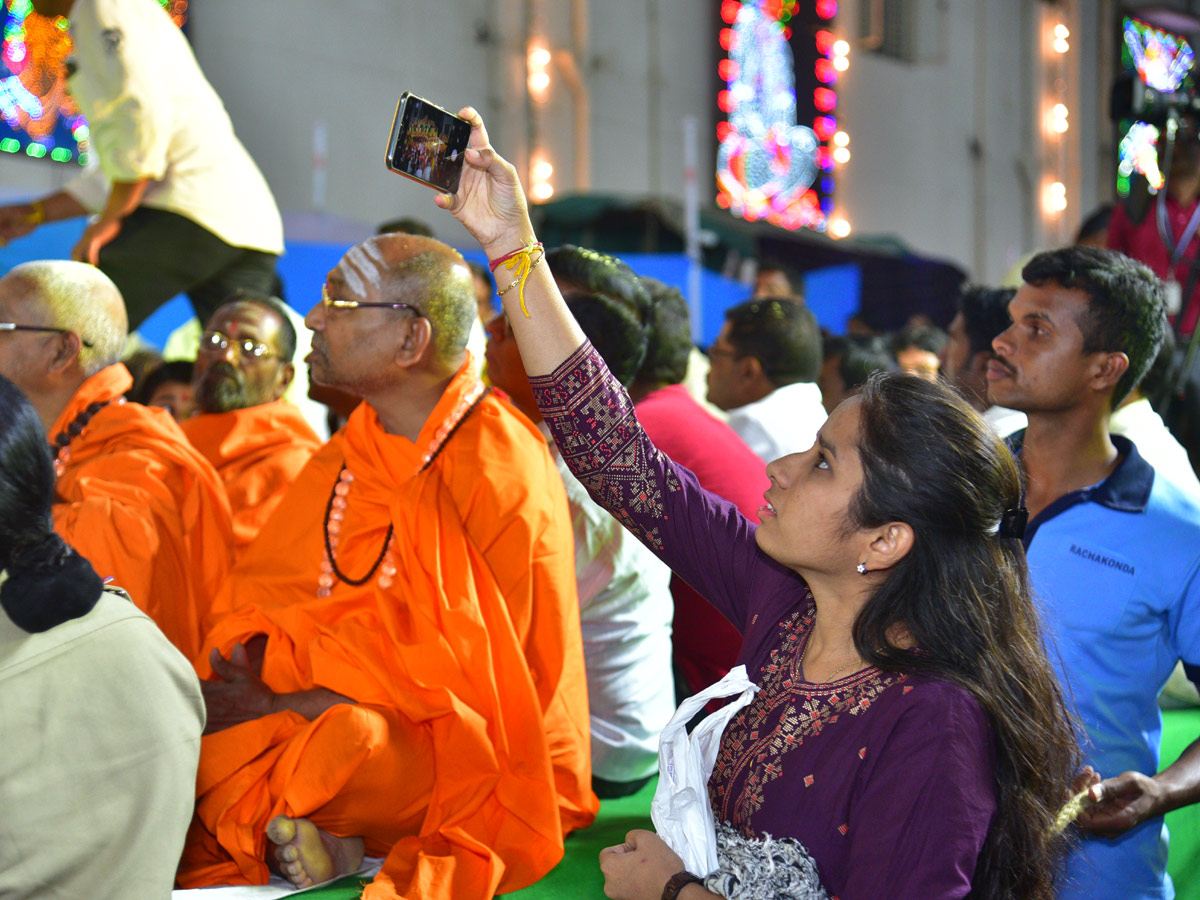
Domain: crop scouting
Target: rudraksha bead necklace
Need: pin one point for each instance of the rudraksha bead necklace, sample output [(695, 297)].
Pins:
[(335, 509), (62, 440)]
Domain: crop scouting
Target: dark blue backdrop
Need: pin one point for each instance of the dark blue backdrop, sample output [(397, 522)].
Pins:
[(832, 292)]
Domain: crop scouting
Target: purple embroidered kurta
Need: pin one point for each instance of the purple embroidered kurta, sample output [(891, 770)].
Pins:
[(886, 779)]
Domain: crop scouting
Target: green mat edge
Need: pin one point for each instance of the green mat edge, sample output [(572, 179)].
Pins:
[(578, 875)]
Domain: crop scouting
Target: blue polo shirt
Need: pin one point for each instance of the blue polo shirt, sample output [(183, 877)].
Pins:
[(1115, 570)]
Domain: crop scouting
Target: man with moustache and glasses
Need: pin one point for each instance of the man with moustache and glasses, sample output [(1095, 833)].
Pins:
[(257, 441)]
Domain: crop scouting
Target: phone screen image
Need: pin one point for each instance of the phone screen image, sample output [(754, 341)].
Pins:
[(429, 144)]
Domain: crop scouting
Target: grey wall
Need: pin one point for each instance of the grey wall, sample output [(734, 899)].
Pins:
[(948, 151), (944, 150)]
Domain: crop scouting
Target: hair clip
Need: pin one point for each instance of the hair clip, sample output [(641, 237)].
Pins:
[(1013, 522)]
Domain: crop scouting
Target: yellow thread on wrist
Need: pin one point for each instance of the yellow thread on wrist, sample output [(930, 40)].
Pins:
[(38, 216), (523, 262)]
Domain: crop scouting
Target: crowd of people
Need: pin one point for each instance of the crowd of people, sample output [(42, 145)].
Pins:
[(958, 565)]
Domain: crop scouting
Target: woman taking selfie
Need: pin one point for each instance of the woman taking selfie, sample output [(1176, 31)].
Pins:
[(101, 714), (908, 733)]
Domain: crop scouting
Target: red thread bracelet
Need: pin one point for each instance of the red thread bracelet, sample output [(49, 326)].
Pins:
[(528, 248)]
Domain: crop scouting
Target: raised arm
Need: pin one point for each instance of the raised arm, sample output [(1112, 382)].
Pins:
[(490, 203), (701, 537)]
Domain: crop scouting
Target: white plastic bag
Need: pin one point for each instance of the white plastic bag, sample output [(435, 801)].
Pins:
[(680, 811)]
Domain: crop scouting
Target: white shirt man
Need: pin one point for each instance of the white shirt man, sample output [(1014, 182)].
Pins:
[(765, 364), (785, 421)]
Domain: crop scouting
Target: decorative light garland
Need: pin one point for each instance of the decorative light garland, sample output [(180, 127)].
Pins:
[(47, 124), (770, 167), (1163, 61), (1056, 120)]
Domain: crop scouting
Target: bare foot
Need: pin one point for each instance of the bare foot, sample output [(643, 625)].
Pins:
[(305, 855)]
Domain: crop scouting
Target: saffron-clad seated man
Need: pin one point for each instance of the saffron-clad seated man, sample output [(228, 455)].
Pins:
[(257, 441), (400, 670), (132, 495)]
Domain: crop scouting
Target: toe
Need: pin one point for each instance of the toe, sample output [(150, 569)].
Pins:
[(281, 830)]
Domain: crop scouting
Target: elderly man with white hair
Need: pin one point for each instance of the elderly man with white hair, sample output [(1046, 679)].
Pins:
[(132, 496)]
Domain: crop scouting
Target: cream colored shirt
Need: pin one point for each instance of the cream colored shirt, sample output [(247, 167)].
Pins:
[(152, 114), (625, 613), (1155, 444), (100, 720)]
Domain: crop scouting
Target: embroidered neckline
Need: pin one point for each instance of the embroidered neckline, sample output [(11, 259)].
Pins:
[(783, 715), (815, 688)]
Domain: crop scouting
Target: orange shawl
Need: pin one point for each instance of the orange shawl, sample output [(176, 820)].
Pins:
[(476, 645), (144, 507), (257, 451)]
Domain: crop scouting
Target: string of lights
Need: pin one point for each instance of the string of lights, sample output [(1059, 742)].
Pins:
[(1056, 120), (37, 112)]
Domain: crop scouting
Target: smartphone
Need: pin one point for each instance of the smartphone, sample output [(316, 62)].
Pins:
[(427, 143)]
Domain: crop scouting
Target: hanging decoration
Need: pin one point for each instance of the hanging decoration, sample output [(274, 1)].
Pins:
[(769, 166), (1162, 62), (37, 113)]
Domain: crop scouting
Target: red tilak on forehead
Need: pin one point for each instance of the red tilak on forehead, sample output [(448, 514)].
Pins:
[(231, 323)]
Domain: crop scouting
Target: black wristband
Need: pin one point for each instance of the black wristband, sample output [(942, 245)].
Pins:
[(678, 882)]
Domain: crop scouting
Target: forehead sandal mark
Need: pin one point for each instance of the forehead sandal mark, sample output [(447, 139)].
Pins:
[(365, 265)]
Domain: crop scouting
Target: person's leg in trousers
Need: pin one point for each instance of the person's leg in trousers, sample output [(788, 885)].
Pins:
[(159, 254), (250, 270)]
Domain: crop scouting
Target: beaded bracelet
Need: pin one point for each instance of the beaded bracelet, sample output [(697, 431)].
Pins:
[(523, 262)]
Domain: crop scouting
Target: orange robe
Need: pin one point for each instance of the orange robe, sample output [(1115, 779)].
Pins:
[(465, 759), (143, 506), (258, 452)]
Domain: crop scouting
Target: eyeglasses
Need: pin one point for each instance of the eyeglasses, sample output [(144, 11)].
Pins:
[(9, 326), (216, 342), (336, 303)]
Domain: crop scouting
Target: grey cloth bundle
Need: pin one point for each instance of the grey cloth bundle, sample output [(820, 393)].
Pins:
[(763, 868)]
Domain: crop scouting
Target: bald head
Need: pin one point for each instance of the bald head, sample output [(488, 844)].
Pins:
[(424, 272), (75, 297)]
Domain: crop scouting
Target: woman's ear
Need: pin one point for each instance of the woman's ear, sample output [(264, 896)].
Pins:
[(890, 544)]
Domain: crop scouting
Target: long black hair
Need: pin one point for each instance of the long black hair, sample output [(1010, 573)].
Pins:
[(48, 583), (963, 594)]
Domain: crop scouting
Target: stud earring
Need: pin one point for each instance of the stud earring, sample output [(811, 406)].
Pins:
[(862, 568)]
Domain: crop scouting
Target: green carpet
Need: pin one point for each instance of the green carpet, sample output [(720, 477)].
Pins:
[(578, 875), (1180, 728), (343, 889)]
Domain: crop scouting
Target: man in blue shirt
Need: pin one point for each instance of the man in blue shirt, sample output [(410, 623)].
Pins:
[(1114, 551)]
